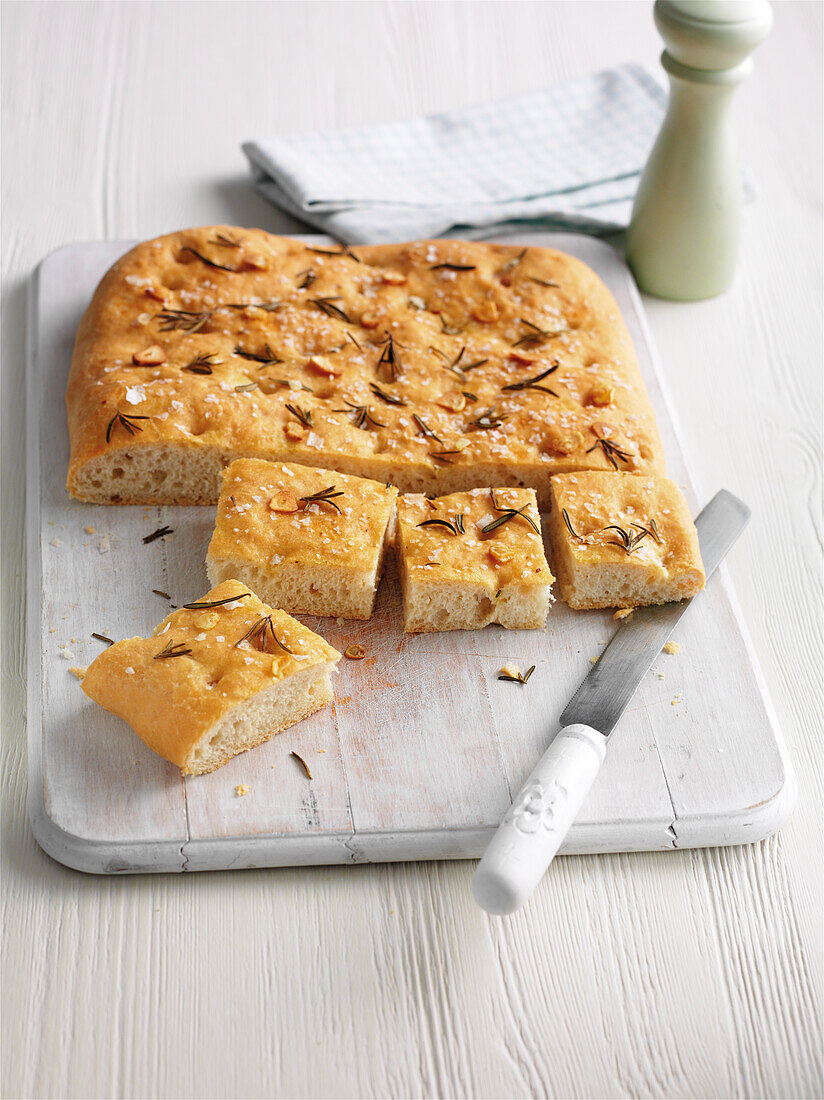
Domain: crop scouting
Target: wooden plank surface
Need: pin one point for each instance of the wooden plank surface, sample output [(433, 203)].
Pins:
[(694, 974), (422, 751)]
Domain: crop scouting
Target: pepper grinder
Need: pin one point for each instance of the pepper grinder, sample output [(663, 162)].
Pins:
[(682, 241)]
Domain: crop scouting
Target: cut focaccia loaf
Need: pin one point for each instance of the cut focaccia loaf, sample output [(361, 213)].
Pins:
[(434, 365), (622, 540), (470, 559), (216, 678), (306, 540)]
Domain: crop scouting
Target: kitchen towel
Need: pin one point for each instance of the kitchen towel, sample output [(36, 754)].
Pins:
[(567, 157)]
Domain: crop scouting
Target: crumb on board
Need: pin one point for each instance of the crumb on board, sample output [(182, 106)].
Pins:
[(65, 653), (89, 530), (241, 790), (354, 652), (593, 660), (671, 648), (56, 542), (623, 612), (509, 669), (78, 672)]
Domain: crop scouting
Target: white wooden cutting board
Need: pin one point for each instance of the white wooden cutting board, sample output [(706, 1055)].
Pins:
[(424, 748)]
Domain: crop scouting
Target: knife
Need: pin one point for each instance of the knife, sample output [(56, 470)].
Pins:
[(538, 820)]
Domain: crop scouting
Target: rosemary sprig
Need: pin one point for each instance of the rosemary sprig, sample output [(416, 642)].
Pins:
[(303, 764), (270, 307), (487, 421), (286, 382), (451, 267), (612, 452), (513, 263), (160, 533), (456, 526), (324, 496), (225, 241), (125, 421), (630, 540), (521, 678), (425, 429), (265, 357), (202, 363), (389, 357), (246, 388), (186, 320), (508, 514), (327, 306), (451, 330), (259, 632), (344, 251), (103, 638), (165, 595), (361, 415), (349, 336), (205, 605), (205, 260), (471, 397), (445, 457), (536, 335), (532, 383), (172, 649), (456, 365), (303, 415), (309, 277), (571, 529), (387, 398), (542, 282)]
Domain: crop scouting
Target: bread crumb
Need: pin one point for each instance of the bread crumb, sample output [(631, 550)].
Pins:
[(509, 670), (623, 612), (593, 660), (89, 530), (78, 672), (65, 653), (56, 542), (671, 648), (241, 790), (354, 652)]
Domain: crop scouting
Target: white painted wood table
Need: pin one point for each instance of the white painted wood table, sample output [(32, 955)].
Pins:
[(677, 974)]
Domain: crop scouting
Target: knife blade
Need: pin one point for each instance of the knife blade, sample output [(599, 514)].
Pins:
[(609, 687), (538, 820)]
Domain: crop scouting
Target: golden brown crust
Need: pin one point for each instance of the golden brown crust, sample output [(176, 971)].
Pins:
[(512, 553), (465, 319), (264, 511), (636, 531), (172, 701)]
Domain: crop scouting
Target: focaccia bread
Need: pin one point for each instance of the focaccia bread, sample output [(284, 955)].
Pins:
[(470, 559), (310, 542), (434, 365), (622, 540), (214, 681)]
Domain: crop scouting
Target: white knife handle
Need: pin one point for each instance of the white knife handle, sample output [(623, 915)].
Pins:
[(538, 820)]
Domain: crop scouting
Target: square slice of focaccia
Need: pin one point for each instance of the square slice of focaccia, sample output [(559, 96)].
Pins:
[(216, 678), (622, 541), (306, 542), (438, 366)]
